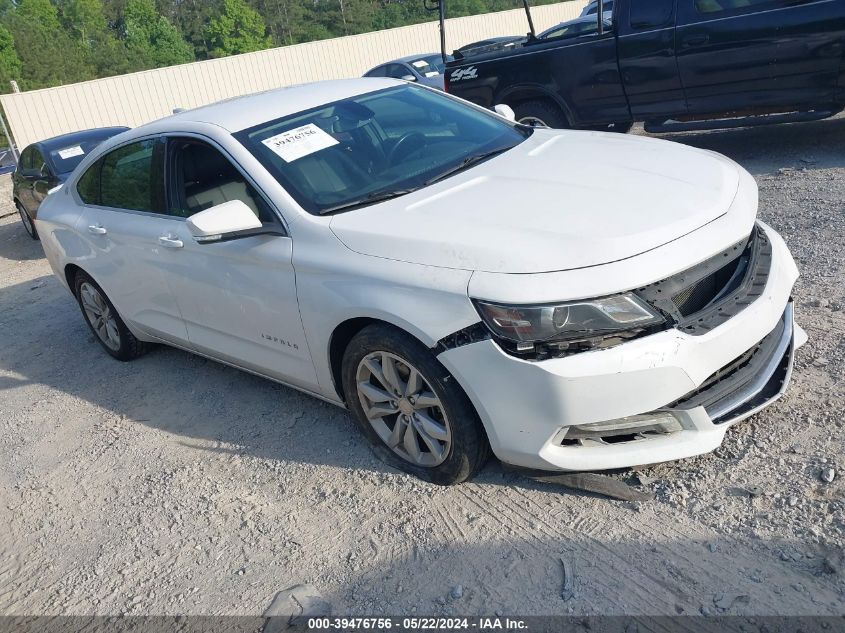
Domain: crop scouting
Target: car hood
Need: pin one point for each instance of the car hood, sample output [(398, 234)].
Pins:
[(559, 201)]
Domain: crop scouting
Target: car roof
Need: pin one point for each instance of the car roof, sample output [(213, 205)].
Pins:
[(412, 58), (241, 113), (64, 140)]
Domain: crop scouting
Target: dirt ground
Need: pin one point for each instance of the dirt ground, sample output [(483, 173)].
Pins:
[(174, 485)]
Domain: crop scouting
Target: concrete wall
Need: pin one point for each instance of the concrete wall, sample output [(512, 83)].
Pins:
[(145, 96)]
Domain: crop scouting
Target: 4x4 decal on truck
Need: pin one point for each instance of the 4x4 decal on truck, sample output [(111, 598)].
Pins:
[(464, 73)]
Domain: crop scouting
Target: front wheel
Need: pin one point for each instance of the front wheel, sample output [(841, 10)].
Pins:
[(413, 411), (28, 224)]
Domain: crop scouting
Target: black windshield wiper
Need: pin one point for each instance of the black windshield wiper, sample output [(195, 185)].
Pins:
[(376, 196), (466, 163)]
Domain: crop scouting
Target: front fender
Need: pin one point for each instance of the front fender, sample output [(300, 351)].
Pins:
[(427, 302)]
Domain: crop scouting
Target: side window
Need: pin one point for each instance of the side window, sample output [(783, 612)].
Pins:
[(397, 71), (37, 161), (652, 14), (204, 178), (377, 72), (88, 186), (710, 7), (132, 177), (26, 159)]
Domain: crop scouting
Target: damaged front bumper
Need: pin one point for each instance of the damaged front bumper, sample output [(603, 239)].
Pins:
[(663, 397)]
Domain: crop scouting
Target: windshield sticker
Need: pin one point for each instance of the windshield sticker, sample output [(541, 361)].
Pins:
[(433, 73), (420, 63), (70, 152), (299, 142)]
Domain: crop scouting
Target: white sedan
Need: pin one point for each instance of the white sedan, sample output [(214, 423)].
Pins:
[(569, 300)]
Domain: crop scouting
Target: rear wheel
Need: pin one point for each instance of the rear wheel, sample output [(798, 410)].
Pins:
[(104, 321), (28, 224), (412, 410), (541, 114)]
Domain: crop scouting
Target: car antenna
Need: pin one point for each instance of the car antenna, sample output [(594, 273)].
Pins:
[(530, 19), (440, 7)]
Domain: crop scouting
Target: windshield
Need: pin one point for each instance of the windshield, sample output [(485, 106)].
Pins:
[(65, 159), (362, 149), (434, 63)]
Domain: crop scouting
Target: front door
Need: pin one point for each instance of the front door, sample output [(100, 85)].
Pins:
[(238, 298), (647, 59), (123, 222)]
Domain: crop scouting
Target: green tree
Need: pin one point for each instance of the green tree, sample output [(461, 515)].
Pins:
[(151, 40), (85, 22), (238, 29), (10, 63), (48, 55)]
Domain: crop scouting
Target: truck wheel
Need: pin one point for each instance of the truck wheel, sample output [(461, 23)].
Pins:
[(541, 114), (620, 128)]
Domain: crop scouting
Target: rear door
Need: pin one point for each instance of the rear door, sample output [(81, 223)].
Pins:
[(124, 221), (736, 56), (647, 59)]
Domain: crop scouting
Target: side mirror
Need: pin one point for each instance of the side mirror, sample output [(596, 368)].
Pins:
[(222, 222), (408, 78), (505, 111)]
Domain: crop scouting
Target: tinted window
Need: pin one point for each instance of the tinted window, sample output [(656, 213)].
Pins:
[(435, 63), (377, 72), (36, 160), (132, 177), (397, 71), (26, 159), (385, 141), (722, 6), (66, 159), (88, 186), (651, 14), (204, 178)]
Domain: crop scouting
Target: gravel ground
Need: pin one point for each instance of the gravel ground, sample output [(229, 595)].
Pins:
[(174, 485)]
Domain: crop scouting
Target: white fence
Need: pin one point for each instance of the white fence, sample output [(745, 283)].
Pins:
[(145, 96)]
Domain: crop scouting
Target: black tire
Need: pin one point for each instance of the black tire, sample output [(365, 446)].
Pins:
[(541, 114), (129, 347), (27, 222), (468, 449), (620, 128)]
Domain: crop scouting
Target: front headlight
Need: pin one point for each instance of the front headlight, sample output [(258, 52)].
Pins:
[(564, 325)]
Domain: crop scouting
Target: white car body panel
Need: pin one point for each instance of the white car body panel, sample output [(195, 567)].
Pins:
[(565, 215)]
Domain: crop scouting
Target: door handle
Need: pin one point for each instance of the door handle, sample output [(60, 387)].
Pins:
[(97, 229), (170, 241), (699, 39)]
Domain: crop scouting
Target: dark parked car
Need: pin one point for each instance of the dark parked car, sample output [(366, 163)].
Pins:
[(674, 65), (47, 164), (426, 69)]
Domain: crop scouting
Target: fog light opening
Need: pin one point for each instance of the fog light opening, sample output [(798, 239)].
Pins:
[(631, 429)]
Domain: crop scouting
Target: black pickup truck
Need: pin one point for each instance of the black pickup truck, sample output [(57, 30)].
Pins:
[(673, 64)]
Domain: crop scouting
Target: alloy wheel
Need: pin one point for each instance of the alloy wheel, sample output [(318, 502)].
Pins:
[(99, 315), (403, 409)]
